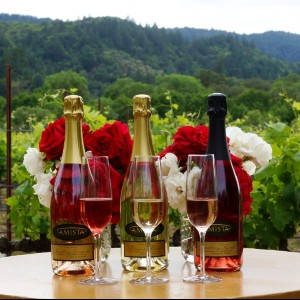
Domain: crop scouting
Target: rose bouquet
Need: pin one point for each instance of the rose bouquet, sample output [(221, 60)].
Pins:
[(247, 151), (112, 140)]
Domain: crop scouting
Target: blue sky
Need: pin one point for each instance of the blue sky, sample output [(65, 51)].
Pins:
[(240, 16)]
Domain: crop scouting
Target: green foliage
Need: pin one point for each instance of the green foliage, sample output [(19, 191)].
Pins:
[(28, 216), (163, 129), (276, 190), (66, 80), (30, 113)]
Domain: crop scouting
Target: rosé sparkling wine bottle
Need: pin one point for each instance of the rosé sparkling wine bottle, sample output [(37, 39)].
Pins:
[(72, 244), (224, 239), (133, 243)]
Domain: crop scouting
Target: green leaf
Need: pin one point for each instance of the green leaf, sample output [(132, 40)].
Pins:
[(296, 105), (266, 171), (278, 133)]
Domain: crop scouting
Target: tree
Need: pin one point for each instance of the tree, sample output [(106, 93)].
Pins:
[(67, 80)]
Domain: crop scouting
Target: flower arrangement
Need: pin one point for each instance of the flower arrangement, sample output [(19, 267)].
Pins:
[(113, 140), (248, 152)]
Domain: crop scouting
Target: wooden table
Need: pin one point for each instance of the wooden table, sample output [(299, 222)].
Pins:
[(265, 274)]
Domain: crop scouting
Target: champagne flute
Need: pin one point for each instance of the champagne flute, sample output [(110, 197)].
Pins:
[(147, 204), (96, 207), (202, 204)]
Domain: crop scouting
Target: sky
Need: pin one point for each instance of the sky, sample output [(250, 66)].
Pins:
[(239, 16)]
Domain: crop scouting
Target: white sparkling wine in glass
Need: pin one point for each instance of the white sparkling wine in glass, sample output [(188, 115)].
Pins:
[(147, 206), (148, 213)]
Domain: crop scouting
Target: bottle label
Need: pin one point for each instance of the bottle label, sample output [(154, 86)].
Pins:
[(221, 229), (72, 252), (219, 249), (138, 249), (134, 230), (71, 232), (220, 240)]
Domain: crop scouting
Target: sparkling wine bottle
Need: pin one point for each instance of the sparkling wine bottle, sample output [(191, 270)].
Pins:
[(133, 244), (224, 239), (72, 246)]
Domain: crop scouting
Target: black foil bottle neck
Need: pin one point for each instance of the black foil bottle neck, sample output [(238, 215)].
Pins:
[(217, 142)]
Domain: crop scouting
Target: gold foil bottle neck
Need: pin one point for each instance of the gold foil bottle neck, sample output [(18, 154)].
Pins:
[(141, 105), (73, 106)]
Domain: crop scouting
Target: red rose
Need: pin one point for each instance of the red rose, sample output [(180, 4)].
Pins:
[(245, 182), (114, 141), (52, 140), (53, 137), (188, 140)]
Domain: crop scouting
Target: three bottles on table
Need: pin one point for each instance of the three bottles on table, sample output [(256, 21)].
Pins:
[(72, 245)]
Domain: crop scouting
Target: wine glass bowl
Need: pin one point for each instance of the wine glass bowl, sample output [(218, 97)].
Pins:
[(202, 204), (96, 206), (148, 206)]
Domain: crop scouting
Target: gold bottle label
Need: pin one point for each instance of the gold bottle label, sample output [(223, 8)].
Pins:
[(138, 249), (72, 252), (219, 245), (219, 249)]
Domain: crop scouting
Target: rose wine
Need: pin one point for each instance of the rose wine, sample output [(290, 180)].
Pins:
[(91, 208), (72, 243), (148, 213), (133, 243), (202, 212), (224, 238)]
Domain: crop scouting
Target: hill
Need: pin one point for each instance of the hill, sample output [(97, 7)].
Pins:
[(104, 49), (282, 45)]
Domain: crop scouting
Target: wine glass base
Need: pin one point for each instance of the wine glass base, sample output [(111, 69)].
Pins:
[(203, 279), (149, 280), (97, 281)]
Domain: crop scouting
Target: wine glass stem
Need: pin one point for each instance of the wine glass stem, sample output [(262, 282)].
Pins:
[(148, 255), (97, 239), (202, 252)]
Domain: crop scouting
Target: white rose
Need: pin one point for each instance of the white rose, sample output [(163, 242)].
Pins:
[(236, 140), (175, 187), (33, 161), (169, 164), (249, 167), (249, 145), (261, 151), (193, 178), (43, 188)]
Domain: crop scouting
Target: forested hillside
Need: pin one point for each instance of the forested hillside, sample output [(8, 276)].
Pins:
[(104, 49), (284, 46), (110, 59)]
